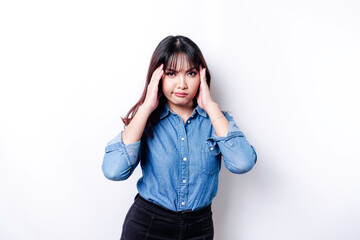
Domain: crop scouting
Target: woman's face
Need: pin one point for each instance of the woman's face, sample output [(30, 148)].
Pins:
[(180, 85)]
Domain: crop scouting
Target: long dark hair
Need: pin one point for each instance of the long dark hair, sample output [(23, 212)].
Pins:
[(167, 53)]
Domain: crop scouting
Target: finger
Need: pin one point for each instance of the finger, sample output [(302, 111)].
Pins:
[(158, 77), (202, 75), (154, 75), (158, 69)]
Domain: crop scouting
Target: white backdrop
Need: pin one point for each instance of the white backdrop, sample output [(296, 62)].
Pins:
[(288, 71)]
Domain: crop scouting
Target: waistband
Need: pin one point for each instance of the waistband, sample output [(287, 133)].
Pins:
[(160, 210)]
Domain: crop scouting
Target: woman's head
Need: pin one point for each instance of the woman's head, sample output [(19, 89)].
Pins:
[(170, 51), (176, 53), (180, 82)]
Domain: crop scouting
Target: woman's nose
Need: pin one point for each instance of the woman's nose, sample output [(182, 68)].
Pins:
[(182, 83)]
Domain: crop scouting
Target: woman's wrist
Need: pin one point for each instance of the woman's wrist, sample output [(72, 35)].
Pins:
[(145, 109), (211, 106)]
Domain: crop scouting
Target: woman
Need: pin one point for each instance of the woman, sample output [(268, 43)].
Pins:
[(178, 134)]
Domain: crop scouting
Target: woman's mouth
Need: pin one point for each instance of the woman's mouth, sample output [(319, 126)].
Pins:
[(180, 94)]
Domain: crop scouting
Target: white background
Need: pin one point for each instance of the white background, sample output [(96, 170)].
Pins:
[(288, 71)]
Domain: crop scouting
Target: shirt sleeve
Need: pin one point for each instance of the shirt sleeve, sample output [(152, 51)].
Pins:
[(120, 160), (238, 155)]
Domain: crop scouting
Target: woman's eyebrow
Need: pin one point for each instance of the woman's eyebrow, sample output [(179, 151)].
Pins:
[(191, 69), (173, 70)]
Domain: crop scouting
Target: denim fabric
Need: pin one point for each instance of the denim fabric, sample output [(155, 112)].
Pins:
[(181, 164), (146, 220)]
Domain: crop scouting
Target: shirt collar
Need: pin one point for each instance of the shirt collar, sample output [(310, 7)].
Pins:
[(166, 111)]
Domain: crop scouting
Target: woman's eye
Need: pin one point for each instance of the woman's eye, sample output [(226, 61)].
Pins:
[(192, 73), (170, 74)]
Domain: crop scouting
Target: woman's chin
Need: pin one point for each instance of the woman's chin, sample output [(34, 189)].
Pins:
[(181, 102)]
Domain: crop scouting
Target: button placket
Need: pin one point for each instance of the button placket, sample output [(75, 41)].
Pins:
[(184, 166)]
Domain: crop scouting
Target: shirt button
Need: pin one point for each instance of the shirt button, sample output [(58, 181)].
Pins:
[(184, 181), (189, 121), (211, 148), (183, 203), (182, 139), (184, 158)]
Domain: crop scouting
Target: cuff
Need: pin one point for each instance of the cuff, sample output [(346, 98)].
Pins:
[(212, 142), (130, 150)]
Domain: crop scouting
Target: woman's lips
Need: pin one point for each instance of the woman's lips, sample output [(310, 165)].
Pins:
[(180, 94)]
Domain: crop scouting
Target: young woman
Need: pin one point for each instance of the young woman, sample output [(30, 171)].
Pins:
[(178, 134)]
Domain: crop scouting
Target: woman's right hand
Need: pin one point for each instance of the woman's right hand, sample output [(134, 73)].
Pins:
[(153, 94)]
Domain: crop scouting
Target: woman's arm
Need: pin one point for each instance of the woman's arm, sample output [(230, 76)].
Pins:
[(238, 155), (206, 102), (119, 160), (123, 153), (133, 132), (218, 120), (135, 129)]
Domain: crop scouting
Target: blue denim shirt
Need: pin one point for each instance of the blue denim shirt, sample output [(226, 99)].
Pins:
[(181, 164)]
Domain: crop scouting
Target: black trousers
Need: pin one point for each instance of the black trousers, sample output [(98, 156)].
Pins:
[(148, 221)]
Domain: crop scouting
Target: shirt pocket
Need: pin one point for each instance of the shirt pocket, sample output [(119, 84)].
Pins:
[(210, 159)]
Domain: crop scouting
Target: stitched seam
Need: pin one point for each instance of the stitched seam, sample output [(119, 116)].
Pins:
[(148, 231), (202, 228), (230, 136)]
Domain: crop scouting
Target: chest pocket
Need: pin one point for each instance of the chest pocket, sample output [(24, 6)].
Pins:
[(211, 158)]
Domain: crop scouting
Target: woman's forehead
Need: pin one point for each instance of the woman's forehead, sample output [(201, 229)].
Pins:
[(179, 62)]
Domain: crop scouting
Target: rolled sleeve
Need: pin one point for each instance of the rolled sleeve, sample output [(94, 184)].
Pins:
[(238, 155), (120, 160)]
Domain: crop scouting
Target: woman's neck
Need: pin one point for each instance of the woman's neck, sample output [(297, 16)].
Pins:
[(183, 111)]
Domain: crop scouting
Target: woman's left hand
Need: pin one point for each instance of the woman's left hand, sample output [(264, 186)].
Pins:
[(204, 98)]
